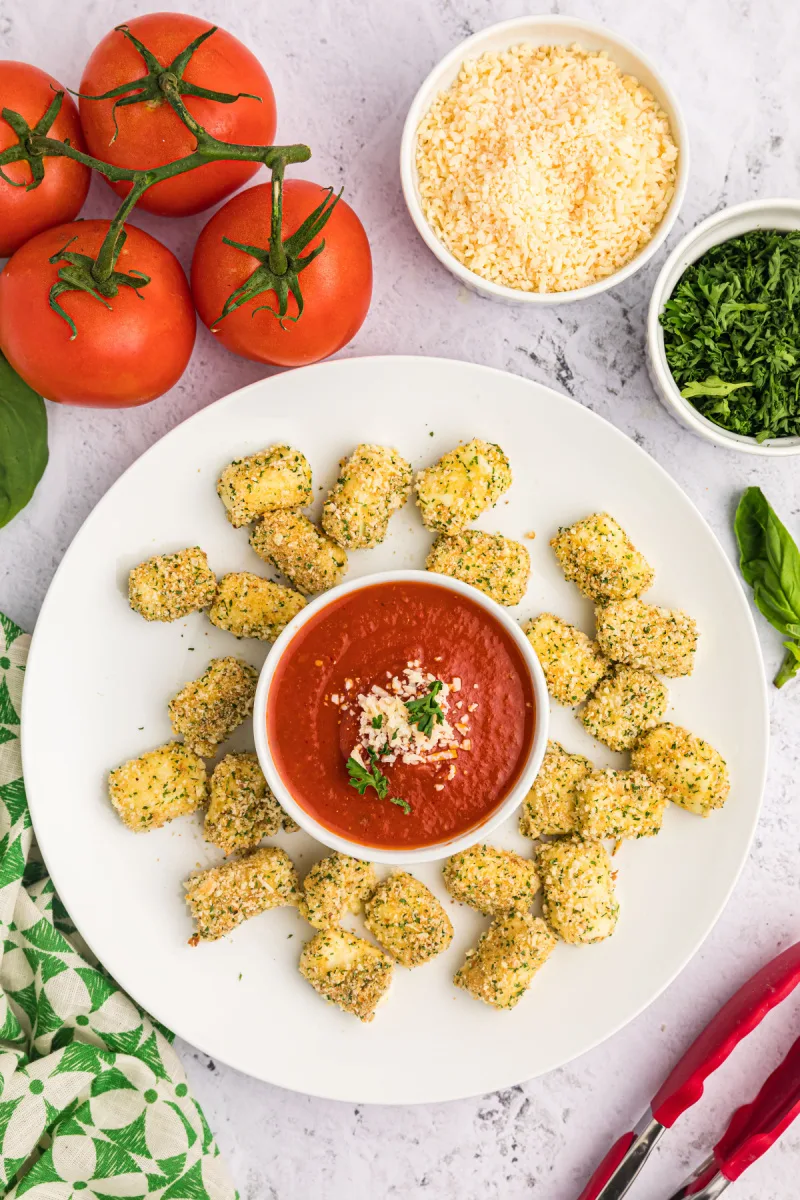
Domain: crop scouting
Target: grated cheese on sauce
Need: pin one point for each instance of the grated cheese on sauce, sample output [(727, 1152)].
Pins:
[(385, 727)]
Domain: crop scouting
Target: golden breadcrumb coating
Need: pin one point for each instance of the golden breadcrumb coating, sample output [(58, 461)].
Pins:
[(623, 706), (248, 606), (501, 967), (597, 555), (462, 485), (549, 807), (279, 477), (578, 886), (691, 772), (619, 804), (572, 663), (347, 970), (207, 710), (407, 919), (493, 564), (242, 809), (293, 544), (158, 786), (221, 898), (643, 635), (334, 886), (491, 880), (170, 586), (373, 483)]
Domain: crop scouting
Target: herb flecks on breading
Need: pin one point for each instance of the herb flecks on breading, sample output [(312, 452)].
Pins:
[(495, 565), (207, 710), (222, 897), (170, 586), (462, 485), (279, 477), (242, 809), (158, 786), (501, 968), (408, 920), (373, 483)]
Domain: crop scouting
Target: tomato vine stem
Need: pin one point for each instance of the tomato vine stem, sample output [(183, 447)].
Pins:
[(279, 266)]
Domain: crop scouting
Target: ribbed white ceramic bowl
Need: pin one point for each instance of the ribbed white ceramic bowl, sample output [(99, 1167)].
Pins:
[(729, 223), (540, 31), (440, 849)]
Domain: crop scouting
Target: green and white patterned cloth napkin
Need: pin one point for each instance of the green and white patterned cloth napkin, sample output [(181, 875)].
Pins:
[(93, 1098)]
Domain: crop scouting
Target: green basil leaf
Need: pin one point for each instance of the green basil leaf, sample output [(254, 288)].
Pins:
[(790, 665), (749, 524), (770, 563), (784, 558), (23, 442), (772, 604)]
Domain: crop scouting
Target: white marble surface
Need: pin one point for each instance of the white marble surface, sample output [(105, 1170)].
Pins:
[(344, 73)]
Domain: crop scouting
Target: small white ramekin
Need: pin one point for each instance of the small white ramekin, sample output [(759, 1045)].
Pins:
[(540, 31), (720, 227), (440, 849)]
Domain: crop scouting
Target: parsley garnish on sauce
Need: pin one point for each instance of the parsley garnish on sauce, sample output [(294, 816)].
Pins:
[(361, 778), (426, 711), (732, 332)]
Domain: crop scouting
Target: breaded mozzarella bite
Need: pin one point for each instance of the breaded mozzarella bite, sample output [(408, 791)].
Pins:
[(619, 804), (597, 555), (373, 483), (549, 807), (623, 706), (405, 917), (279, 477), (491, 880), (170, 586), (501, 967), (692, 773), (248, 606), (347, 970), (207, 710), (578, 887), (643, 635), (242, 809), (158, 786), (462, 485), (493, 564), (572, 663), (221, 898), (293, 544), (334, 886)]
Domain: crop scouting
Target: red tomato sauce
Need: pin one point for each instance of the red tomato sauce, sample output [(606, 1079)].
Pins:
[(361, 637)]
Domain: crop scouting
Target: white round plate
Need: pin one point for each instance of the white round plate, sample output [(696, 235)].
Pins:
[(99, 678)]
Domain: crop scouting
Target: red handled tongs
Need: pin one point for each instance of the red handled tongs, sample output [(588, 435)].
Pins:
[(753, 1128)]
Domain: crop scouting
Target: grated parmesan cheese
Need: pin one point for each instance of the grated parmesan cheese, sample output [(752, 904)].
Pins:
[(386, 729), (545, 168)]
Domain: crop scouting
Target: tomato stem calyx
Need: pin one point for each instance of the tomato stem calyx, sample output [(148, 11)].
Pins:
[(78, 275), (27, 150), (165, 83), (281, 264)]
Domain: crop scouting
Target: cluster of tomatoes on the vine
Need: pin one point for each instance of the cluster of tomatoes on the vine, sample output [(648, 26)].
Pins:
[(121, 346)]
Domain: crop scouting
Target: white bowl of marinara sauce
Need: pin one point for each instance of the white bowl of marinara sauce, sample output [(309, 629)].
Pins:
[(362, 635)]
